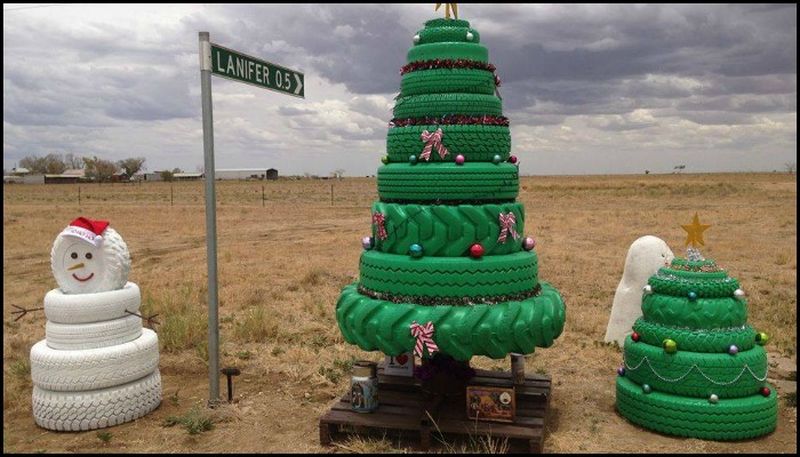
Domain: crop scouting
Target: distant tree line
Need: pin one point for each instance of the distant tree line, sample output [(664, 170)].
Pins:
[(97, 169)]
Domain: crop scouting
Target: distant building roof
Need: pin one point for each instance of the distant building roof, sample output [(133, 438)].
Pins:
[(188, 175), (20, 170), (81, 172), (240, 169)]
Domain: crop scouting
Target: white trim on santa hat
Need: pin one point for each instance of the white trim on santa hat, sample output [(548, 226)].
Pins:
[(84, 234)]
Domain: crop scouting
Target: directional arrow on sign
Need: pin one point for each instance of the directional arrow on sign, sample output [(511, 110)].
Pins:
[(299, 84)]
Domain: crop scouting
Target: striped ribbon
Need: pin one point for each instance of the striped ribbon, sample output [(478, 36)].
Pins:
[(380, 220), (424, 336), (432, 140), (507, 222)]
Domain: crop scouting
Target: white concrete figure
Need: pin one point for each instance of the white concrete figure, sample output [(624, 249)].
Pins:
[(88, 257), (645, 256)]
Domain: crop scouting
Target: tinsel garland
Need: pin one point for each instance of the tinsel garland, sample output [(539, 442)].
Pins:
[(435, 64), (450, 119), (449, 301), (703, 268), (446, 202)]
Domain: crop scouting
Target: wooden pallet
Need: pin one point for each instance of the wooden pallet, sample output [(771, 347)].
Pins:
[(405, 412)]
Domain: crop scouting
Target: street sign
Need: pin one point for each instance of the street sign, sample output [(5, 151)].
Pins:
[(243, 68), (221, 61)]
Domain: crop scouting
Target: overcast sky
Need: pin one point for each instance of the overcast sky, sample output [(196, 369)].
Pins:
[(589, 89)]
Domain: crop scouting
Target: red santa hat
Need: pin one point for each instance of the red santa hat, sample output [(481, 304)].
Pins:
[(87, 230)]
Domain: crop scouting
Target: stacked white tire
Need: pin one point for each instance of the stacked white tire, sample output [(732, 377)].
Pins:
[(97, 366)]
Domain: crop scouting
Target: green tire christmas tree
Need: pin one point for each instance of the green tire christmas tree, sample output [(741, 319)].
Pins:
[(447, 268), (693, 366)]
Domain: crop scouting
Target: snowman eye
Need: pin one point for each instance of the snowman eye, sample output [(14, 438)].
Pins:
[(88, 256), (74, 255)]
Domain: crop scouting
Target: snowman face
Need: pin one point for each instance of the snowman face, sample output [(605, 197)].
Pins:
[(81, 265)]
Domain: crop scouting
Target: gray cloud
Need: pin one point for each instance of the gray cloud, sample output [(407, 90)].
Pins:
[(576, 78)]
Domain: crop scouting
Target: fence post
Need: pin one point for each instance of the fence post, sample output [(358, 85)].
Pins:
[(331, 194), (79, 197), (262, 196), (170, 195)]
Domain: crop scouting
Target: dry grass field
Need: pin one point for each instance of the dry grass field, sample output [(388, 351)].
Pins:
[(281, 266)]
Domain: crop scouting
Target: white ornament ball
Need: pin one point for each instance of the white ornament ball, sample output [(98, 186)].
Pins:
[(470, 36), (416, 38), (81, 267), (738, 293), (713, 399), (647, 289)]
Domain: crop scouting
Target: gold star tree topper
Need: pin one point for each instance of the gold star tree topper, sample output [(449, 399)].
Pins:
[(447, 8), (695, 232)]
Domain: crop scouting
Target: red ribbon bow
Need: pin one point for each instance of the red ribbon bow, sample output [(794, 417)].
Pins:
[(507, 222), (432, 140), (424, 336), (380, 220)]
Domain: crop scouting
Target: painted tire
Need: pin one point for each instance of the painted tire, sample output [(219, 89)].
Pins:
[(703, 313), (729, 419), (449, 276), (443, 104), (690, 374), (460, 331), (477, 143), (457, 80), (447, 33), (715, 340), (448, 182), (91, 369), (93, 335), (448, 50), (64, 308), (89, 410), (680, 286), (447, 230), (116, 264)]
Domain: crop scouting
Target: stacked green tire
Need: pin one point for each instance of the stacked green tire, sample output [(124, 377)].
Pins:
[(693, 367), (490, 304)]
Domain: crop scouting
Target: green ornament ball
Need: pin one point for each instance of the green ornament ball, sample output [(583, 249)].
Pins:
[(762, 338), (412, 159), (385, 159), (497, 159), (646, 388), (670, 346)]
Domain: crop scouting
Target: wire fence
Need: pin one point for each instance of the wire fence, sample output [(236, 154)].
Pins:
[(331, 192)]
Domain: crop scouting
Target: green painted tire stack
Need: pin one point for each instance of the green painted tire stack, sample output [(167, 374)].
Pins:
[(421, 264), (710, 380)]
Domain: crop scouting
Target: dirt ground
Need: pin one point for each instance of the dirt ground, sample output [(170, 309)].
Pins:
[(283, 261)]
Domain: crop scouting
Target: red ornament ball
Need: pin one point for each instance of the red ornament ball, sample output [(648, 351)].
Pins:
[(476, 251), (635, 336), (512, 159), (765, 391)]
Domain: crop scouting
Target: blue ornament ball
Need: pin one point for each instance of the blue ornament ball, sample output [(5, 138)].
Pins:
[(497, 159), (646, 388), (412, 159), (415, 250), (692, 296)]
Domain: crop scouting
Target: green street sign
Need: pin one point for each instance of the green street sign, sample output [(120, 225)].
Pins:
[(243, 68)]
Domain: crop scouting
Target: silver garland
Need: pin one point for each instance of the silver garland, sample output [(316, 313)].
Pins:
[(693, 367)]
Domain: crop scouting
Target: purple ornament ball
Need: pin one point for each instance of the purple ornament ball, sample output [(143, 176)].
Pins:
[(621, 371), (366, 242), (528, 243), (460, 159)]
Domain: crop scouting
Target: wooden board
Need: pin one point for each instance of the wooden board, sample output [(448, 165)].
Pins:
[(405, 412)]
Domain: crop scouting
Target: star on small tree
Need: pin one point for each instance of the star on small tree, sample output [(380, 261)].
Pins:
[(447, 8)]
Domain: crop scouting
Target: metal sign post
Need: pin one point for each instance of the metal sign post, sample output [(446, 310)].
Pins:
[(215, 59)]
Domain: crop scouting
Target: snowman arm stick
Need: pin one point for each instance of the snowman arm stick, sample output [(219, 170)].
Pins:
[(150, 319), (22, 311)]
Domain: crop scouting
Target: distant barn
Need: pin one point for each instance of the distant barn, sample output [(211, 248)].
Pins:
[(245, 173)]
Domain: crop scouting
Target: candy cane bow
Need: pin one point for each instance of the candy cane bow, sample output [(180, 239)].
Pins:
[(379, 219), (507, 222), (432, 140), (424, 336)]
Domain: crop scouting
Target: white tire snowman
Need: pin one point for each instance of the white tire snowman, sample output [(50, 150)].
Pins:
[(97, 366)]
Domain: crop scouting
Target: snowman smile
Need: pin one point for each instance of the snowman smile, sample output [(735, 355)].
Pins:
[(83, 279)]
